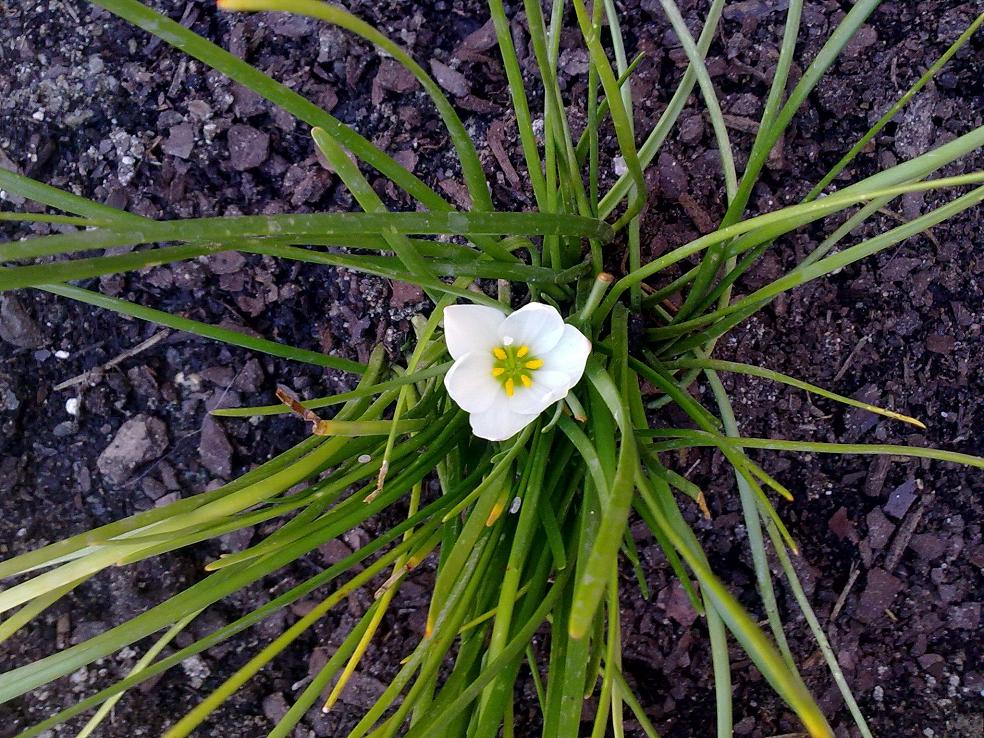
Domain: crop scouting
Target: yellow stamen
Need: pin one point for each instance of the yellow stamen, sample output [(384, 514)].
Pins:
[(510, 387), (498, 371), (525, 379), (499, 353), (523, 350), (534, 364)]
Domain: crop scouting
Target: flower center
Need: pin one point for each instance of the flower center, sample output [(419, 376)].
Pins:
[(513, 365)]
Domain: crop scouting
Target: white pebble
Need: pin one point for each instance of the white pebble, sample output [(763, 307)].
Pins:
[(191, 381), (72, 406), (61, 354)]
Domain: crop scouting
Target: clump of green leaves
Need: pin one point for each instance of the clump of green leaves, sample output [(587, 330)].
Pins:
[(528, 534)]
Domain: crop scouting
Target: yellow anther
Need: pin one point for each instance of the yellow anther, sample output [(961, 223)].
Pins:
[(510, 387), (498, 371), (534, 364), (499, 353), (523, 350), (525, 379)]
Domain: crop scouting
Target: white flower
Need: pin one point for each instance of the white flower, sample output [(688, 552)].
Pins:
[(509, 369)]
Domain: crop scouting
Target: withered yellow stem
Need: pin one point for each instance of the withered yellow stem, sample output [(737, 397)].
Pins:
[(702, 504), (495, 512)]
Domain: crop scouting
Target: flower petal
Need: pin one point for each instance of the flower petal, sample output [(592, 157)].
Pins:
[(471, 384), (469, 328), (498, 422), (569, 356), (547, 388), (535, 325)]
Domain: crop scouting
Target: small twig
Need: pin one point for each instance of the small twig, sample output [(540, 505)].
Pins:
[(906, 531), (87, 376), (839, 605), (850, 358)]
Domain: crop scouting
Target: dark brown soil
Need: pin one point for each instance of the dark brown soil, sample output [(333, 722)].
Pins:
[(89, 104)]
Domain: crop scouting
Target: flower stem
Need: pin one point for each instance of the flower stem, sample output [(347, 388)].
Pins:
[(601, 284)]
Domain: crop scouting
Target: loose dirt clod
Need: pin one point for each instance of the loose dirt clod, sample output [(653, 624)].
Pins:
[(248, 147), (17, 327), (215, 449), (879, 592), (139, 440)]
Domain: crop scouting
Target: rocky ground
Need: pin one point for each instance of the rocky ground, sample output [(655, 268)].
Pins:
[(102, 416)]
